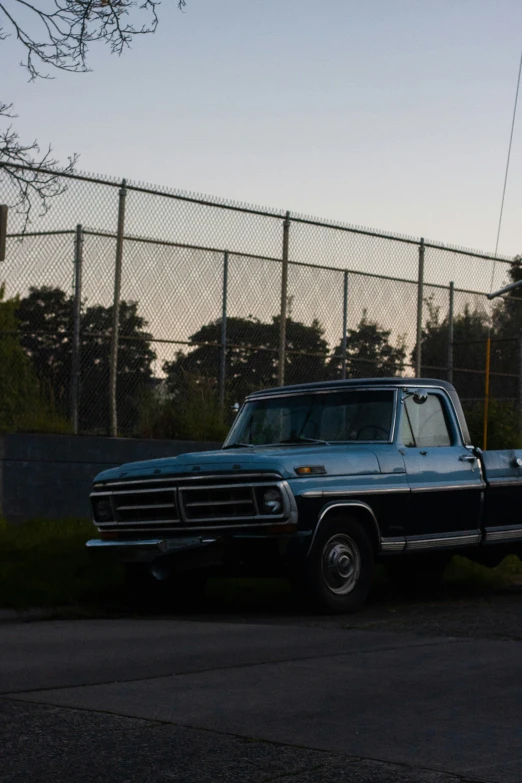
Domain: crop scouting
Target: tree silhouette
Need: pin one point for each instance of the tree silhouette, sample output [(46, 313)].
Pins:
[(252, 355), (45, 321), (369, 353), (470, 332)]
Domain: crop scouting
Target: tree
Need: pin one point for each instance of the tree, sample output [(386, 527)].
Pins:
[(252, 355), (507, 322), (134, 369), (56, 34), (369, 353), (470, 332), (45, 320), (22, 404), (18, 386)]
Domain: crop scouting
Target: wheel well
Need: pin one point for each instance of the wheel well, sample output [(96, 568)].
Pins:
[(361, 512)]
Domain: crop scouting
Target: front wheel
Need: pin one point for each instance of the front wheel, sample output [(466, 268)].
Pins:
[(338, 574)]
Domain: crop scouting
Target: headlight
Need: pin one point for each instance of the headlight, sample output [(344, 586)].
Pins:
[(271, 501), (102, 509)]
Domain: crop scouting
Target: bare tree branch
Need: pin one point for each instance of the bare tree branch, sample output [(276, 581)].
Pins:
[(56, 34), (32, 188)]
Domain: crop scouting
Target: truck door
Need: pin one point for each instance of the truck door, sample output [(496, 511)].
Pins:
[(444, 476)]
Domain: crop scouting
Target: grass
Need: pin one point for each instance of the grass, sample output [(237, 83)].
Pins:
[(463, 572), (45, 563)]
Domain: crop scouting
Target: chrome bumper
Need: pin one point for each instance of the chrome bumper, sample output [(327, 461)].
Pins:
[(150, 546)]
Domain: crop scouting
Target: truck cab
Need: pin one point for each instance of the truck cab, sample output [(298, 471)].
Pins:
[(317, 482)]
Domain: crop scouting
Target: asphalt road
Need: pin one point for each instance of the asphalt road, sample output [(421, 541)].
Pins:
[(172, 700)]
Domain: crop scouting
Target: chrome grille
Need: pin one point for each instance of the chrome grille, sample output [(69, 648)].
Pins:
[(147, 505), (218, 503), (188, 502)]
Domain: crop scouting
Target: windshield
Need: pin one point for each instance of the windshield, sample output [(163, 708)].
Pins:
[(332, 417)]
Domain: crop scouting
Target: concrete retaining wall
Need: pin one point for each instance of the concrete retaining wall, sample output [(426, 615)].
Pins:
[(50, 476)]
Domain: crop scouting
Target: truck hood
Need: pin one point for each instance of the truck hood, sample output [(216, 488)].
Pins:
[(342, 460)]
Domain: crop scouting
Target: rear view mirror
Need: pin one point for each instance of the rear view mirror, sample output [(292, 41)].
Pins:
[(419, 395)]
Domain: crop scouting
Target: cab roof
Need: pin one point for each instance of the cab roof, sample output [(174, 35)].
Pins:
[(353, 383)]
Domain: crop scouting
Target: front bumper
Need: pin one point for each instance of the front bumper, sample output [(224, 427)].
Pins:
[(255, 555), (151, 549)]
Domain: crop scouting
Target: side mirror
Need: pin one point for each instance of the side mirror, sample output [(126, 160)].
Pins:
[(235, 407), (420, 397)]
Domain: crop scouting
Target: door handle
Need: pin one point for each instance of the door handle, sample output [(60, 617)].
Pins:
[(467, 458)]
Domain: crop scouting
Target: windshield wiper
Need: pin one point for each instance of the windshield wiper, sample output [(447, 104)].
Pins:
[(301, 439), (237, 445)]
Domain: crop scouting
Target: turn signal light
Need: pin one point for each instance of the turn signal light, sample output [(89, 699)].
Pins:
[(311, 470)]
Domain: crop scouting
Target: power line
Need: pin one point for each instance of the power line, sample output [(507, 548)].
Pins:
[(507, 169)]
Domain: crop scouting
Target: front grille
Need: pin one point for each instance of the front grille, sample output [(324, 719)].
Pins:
[(218, 503), (147, 505), (185, 502)]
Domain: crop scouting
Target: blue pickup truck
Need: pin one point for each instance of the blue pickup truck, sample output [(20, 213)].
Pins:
[(317, 482)]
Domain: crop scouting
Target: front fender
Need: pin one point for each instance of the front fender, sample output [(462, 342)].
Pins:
[(364, 511)]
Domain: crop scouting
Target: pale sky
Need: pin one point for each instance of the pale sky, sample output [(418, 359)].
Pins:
[(391, 114)]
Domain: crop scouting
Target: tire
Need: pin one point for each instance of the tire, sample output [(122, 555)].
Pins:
[(182, 591), (338, 573), (417, 574)]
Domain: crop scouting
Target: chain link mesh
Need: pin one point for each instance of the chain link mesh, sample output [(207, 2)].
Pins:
[(200, 304)]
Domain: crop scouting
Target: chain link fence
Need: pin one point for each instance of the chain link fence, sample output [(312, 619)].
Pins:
[(148, 313)]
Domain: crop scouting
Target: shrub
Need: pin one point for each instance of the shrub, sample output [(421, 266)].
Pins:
[(24, 407), (190, 412)]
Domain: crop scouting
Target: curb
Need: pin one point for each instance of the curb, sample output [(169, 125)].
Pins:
[(27, 615)]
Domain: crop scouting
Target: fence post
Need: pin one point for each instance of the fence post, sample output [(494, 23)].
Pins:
[(284, 291), (450, 331), (420, 298), (113, 367), (486, 394), (520, 385), (77, 311), (345, 325), (223, 355)]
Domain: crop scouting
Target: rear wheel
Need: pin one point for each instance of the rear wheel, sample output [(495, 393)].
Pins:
[(338, 573)]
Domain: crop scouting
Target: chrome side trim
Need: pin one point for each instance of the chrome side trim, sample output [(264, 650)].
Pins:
[(387, 490), (447, 487), (348, 504), (377, 491), (393, 544), (516, 481), (504, 533), (341, 493), (438, 541)]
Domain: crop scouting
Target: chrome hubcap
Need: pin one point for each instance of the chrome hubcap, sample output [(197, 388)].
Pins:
[(341, 564)]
